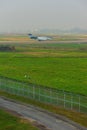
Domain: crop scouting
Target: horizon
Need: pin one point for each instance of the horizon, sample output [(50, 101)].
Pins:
[(75, 30)]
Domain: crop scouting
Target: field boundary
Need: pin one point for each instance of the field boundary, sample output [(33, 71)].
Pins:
[(64, 99)]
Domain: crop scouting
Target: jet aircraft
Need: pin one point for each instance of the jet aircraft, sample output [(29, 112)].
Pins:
[(39, 38)]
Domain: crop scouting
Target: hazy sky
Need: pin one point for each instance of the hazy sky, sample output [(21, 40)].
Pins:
[(26, 15)]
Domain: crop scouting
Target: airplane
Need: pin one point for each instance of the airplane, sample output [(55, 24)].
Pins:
[(39, 38)]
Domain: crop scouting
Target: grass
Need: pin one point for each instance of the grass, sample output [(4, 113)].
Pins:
[(10, 122), (62, 73), (14, 38), (75, 116)]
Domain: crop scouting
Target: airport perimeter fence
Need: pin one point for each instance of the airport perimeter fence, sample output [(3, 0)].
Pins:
[(56, 97)]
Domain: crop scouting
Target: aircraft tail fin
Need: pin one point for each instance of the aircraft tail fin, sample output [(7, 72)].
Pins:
[(31, 36)]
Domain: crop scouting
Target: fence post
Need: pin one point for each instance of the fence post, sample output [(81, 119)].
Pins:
[(0, 83), (24, 92), (64, 100), (71, 102), (79, 103), (44, 95), (33, 92), (39, 93), (17, 89), (57, 99), (50, 95)]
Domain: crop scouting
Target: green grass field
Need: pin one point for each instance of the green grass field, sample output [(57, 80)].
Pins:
[(63, 73), (9, 122), (61, 66)]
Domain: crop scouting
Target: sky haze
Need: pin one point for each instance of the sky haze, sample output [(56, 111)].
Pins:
[(26, 15)]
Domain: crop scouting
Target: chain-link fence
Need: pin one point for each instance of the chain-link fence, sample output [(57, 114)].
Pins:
[(56, 97)]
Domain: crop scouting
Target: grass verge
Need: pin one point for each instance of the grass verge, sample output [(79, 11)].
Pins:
[(75, 116), (11, 122)]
